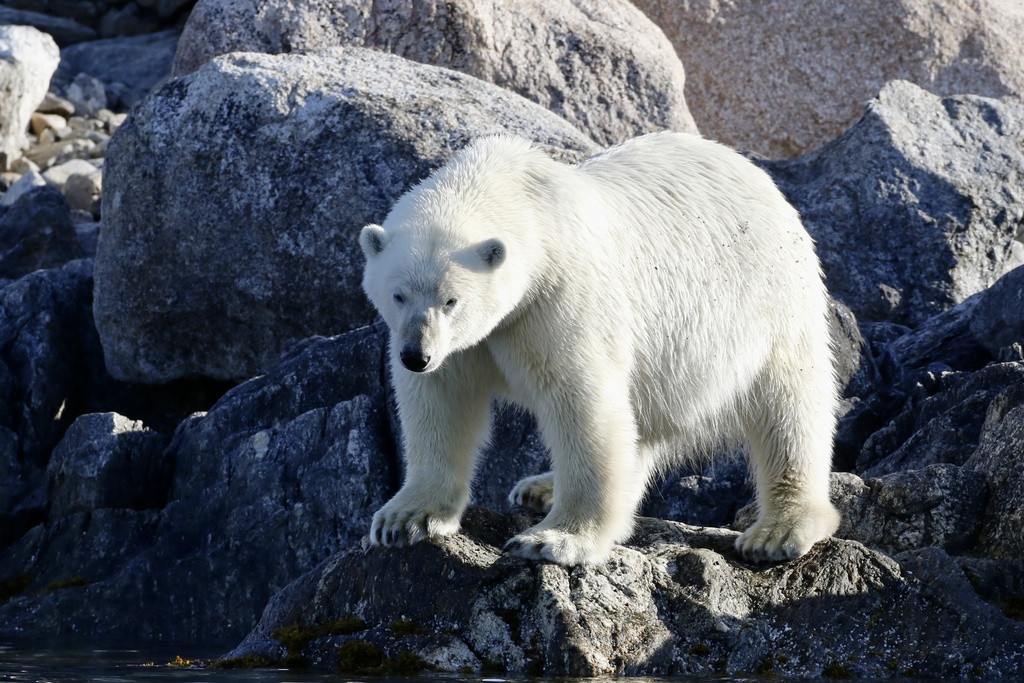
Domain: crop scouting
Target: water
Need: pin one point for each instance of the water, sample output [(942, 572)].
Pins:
[(39, 664)]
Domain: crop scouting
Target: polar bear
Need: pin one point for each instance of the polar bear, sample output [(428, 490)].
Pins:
[(655, 302)]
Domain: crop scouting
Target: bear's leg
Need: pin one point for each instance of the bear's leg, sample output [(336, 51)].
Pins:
[(599, 477), (789, 428), (536, 493), (446, 419)]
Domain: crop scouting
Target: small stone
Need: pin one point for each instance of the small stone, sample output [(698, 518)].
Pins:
[(57, 152), (55, 104), (58, 175), (82, 190), (87, 94), (25, 183), (22, 166), (40, 122)]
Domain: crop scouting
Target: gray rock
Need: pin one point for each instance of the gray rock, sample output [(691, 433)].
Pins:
[(106, 460), (600, 64), (27, 182), (260, 247), (939, 506), (43, 339), (944, 427), (282, 472), (917, 206), (28, 58), (999, 458), (997, 322), (673, 601), (135, 63), (64, 31), (709, 496), (36, 232), (87, 93)]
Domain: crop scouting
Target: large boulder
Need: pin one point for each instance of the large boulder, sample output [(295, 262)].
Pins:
[(600, 64), (233, 198), (916, 207), (782, 77), (28, 58), (674, 600)]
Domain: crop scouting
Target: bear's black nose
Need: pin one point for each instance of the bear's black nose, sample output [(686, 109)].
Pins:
[(414, 360)]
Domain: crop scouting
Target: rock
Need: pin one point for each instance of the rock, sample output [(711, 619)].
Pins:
[(55, 153), (136, 63), (917, 206), (298, 458), (54, 104), (836, 57), (709, 495), (26, 183), (87, 94), (57, 176), (64, 31), (83, 192), (28, 59), (601, 65), (940, 424), (673, 601), (260, 246), (106, 460), (997, 321), (36, 233), (43, 338), (998, 457), (40, 122), (939, 506)]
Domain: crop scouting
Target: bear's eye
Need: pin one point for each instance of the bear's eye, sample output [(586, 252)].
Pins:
[(451, 303), (399, 299)]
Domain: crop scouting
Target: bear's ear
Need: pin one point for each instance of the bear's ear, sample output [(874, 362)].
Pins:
[(492, 252), (372, 239)]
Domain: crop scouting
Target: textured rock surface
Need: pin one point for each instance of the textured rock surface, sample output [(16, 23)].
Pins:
[(997, 322), (28, 58), (282, 472), (130, 66), (916, 207), (673, 601), (600, 64), (36, 232), (783, 77), (233, 197)]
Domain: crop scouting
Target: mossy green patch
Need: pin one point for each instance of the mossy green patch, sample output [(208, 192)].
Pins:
[(837, 670), (404, 627), (70, 582), (296, 638), (360, 657)]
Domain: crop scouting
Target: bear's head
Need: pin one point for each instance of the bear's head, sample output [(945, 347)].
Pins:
[(435, 300), (460, 252)]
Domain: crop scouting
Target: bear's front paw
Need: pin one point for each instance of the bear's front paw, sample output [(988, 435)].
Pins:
[(536, 493), (398, 526), (558, 546), (787, 535)]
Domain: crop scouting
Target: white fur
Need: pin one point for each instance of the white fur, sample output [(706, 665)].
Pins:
[(647, 306)]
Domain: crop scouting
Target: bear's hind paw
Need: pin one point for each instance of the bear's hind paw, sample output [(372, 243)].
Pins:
[(774, 538), (536, 493), (557, 546)]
